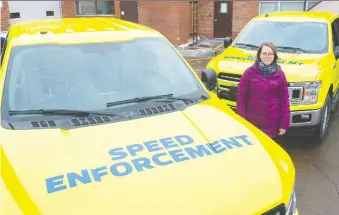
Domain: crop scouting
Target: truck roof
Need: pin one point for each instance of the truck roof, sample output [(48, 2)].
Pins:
[(299, 16), (77, 30)]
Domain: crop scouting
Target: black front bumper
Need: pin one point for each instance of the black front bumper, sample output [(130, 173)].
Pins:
[(298, 131), (301, 131)]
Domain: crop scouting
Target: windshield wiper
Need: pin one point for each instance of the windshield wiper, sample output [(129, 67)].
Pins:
[(292, 49), (247, 45), (79, 113), (181, 99), (158, 98)]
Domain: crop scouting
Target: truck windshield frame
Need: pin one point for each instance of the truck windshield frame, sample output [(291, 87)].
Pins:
[(308, 37), (87, 76)]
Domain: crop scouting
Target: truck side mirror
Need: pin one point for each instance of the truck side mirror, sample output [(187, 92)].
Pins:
[(336, 52), (209, 78), (227, 41)]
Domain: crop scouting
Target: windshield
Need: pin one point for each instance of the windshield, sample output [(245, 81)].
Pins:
[(308, 36), (88, 76)]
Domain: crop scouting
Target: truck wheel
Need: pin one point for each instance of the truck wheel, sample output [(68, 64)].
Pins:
[(322, 128)]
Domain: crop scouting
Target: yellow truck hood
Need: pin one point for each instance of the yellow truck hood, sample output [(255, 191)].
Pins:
[(78, 171), (297, 67)]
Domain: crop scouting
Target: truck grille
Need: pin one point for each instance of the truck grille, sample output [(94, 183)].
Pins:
[(229, 77), (229, 93)]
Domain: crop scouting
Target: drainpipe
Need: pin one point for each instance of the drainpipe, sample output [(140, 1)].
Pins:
[(194, 16)]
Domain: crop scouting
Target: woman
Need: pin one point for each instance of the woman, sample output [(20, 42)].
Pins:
[(262, 97)]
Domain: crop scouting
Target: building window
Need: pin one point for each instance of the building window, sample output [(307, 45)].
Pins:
[(98, 7), (50, 13), (266, 7), (273, 6), (292, 6), (15, 15)]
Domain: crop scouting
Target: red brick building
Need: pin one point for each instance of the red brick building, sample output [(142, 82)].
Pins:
[(174, 18)]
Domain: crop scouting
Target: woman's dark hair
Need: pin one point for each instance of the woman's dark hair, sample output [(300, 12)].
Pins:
[(274, 49)]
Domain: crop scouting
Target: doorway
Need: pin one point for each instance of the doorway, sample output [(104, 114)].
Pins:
[(222, 18), (129, 11)]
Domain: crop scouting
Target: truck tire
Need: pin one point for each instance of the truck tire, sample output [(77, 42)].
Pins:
[(322, 128)]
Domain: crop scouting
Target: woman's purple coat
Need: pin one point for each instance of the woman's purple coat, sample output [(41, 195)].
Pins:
[(264, 101)]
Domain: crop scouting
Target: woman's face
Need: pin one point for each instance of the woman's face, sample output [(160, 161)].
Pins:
[(267, 55)]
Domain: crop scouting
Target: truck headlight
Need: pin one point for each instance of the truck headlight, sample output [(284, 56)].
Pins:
[(292, 204), (308, 92)]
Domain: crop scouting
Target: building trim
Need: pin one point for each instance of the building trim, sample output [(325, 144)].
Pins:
[(306, 3), (314, 6)]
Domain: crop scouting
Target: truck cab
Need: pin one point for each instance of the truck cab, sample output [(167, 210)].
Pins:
[(308, 51)]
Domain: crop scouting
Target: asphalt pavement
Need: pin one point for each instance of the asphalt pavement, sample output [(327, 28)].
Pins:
[(317, 171), (317, 165)]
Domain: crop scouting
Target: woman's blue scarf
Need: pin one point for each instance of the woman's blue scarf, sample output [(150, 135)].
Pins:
[(267, 70)]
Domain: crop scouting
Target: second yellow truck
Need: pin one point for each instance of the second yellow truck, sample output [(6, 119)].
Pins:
[(308, 48)]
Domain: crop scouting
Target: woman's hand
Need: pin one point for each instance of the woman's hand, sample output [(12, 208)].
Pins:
[(282, 131)]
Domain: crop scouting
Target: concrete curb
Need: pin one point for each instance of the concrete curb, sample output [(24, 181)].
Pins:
[(205, 48)]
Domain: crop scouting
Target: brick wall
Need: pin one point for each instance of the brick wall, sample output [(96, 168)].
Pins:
[(205, 18), (4, 16), (243, 12), (68, 8), (171, 18)]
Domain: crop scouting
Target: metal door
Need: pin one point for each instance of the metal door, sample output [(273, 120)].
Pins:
[(129, 11), (222, 19)]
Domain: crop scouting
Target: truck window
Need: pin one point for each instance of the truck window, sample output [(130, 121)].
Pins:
[(3, 50), (335, 32), (309, 36), (88, 76)]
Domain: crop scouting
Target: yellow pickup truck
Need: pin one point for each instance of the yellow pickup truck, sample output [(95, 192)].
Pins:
[(308, 50), (103, 116)]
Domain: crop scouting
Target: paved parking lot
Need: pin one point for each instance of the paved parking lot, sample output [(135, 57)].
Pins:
[(317, 166)]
